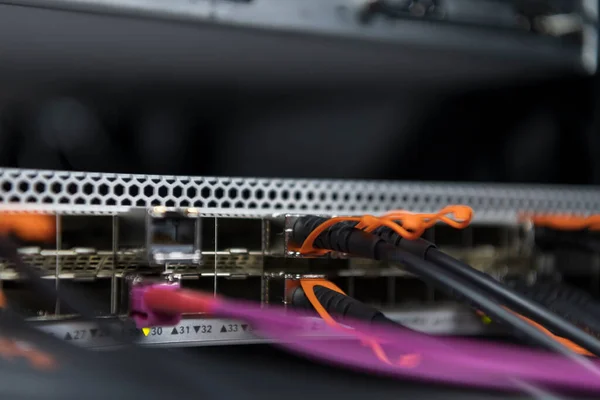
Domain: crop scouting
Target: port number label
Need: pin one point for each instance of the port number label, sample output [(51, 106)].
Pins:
[(203, 328), (156, 331), (229, 328)]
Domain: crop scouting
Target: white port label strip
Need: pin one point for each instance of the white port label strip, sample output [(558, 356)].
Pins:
[(209, 331)]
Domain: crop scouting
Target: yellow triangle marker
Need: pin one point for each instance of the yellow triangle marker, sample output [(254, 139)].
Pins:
[(146, 331)]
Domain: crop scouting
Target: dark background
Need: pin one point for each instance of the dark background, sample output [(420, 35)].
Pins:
[(113, 94)]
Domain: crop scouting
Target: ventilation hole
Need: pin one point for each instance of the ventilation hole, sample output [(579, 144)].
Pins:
[(198, 203), (370, 198), (225, 204), (252, 206), (264, 206), (233, 193), (23, 187), (103, 189), (153, 202), (205, 193), (64, 200), (323, 196), (170, 203), (14, 199), (118, 190), (285, 194), (79, 200), (191, 192), (72, 188), (134, 190), (212, 204), (163, 191), (239, 204), (219, 193), (88, 189), (111, 202), (259, 194), (297, 196), (278, 206), (40, 187), (334, 196), (126, 202), (310, 196), (246, 194), (184, 203), (303, 206), (272, 194), (148, 191), (177, 191), (96, 201), (47, 200), (6, 186)]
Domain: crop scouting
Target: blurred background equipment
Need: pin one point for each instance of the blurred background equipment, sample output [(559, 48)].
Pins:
[(465, 90)]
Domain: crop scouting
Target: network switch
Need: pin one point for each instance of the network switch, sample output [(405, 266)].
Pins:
[(228, 236)]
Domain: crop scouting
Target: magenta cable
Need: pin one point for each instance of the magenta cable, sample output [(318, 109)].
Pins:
[(444, 360)]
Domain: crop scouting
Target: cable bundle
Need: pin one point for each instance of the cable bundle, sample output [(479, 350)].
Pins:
[(398, 351), (447, 274), (403, 223), (395, 350), (401, 353)]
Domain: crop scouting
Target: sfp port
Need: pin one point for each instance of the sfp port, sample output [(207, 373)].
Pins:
[(173, 236)]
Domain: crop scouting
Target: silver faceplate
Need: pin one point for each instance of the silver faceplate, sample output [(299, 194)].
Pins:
[(98, 193)]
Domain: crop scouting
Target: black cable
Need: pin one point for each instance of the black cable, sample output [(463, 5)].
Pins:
[(511, 298), (516, 301), (342, 307), (505, 294), (79, 303), (574, 304), (347, 239), (480, 299)]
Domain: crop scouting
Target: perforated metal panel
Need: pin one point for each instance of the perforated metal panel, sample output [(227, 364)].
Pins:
[(88, 193)]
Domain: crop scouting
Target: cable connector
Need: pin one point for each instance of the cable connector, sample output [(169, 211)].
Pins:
[(317, 231), (327, 298), (143, 315), (339, 236), (346, 237)]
